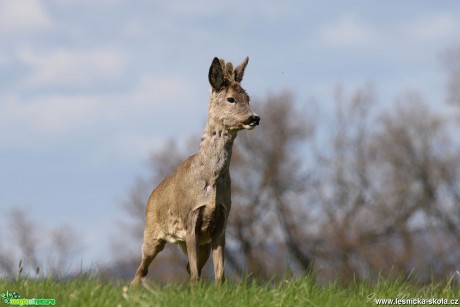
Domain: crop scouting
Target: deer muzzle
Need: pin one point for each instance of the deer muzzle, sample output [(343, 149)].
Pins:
[(252, 121)]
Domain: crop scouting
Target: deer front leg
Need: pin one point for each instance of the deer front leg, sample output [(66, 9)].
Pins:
[(192, 253), (218, 242), (218, 245), (191, 241)]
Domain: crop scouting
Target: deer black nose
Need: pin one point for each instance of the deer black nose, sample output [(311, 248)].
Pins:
[(252, 120), (255, 119)]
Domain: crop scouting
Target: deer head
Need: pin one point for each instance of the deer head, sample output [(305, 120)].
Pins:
[(229, 104)]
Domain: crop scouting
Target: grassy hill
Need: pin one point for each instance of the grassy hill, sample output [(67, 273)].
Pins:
[(296, 292)]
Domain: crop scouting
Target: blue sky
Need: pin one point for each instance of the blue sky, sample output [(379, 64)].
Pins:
[(89, 88)]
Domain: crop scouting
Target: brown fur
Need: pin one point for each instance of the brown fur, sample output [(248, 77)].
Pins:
[(191, 206)]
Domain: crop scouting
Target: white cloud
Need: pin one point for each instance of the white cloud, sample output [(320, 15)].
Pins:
[(92, 3), (199, 8), (127, 147), (19, 16), (236, 9), (134, 29), (432, 27), (276, 11), (55, 114), (348, 31), (163, 90), (71, 67), (48, 120), (351, 31), (3, 60)]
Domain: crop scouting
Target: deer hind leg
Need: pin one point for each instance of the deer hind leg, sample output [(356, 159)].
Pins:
[(149, 251)]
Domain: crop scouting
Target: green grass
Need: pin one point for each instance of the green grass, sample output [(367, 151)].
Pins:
[(296, 292)]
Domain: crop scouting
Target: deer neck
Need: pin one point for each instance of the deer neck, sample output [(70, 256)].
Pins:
[(216, 149)]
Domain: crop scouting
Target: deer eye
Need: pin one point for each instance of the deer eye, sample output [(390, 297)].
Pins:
[(231, 100)]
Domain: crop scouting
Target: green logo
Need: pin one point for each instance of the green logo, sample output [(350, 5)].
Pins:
[(13, 298), (7, 296)]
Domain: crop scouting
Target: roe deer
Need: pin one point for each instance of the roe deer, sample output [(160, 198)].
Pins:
[(191, 206)]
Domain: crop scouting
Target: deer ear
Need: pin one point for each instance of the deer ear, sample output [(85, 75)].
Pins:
[(216, 75), (239, 71)]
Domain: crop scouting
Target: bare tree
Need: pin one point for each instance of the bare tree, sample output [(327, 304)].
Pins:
[(385, 190), (25, 234), (418, 165), (279, 177), (32, 249), (342, 181), (64, 244)]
